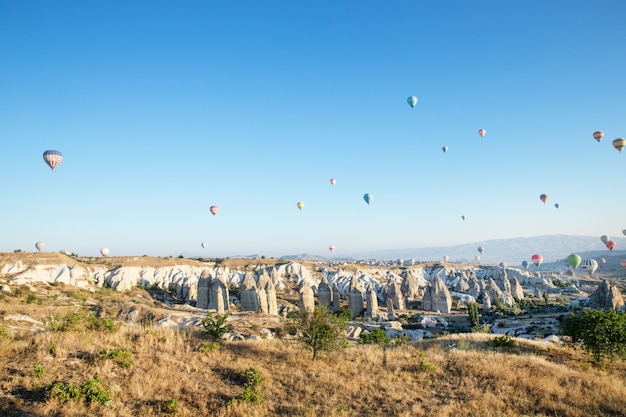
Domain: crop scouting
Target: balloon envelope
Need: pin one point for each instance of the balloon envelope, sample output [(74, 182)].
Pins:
[(482, 132), (300, 205), (463, 217), (104, 251), (40, 246), (574, 260), (444, 149), (556, 205), (446, 258), (333, 181), (589, 265), (604, 238), (543, 198), (203, 244), (598, 135), (624, 232), (331, 248), (481, 249), (368, 198), (619, 144), (623, 263), (52, 158), (525, 264), (476, 258), (412, 100), (602, 260), (537, 259), (214, 210), (610, 245)]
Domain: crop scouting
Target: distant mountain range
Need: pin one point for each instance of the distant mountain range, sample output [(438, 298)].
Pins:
[(512, 251)]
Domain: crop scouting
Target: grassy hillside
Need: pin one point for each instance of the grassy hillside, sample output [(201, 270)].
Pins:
[(143, 370)]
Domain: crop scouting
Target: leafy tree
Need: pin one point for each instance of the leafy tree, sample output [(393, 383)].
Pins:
[(474, 316), (320, 331), (601, 333), (215, 325)]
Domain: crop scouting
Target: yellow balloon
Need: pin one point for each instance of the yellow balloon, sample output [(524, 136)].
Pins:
[(300, 205)]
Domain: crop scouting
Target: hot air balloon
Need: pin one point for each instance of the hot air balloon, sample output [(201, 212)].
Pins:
[(598, 135), (52, 158), (623, 263), (331, 248), (203, 244), (444, 149), (333, 181), (619, 144), (368, 198), (482, 132), (574, 260), (502, 265), (602, 260), (589, 265), (463, 217), (480, 249), (624, 232), (104, 252), (556, 205), (610, 245), (40, 246), (537, 259), (525, 264), (446, 258), (476, 258), (543, 198), (412, 101), (214, 210), (604, 238), (300, 205)]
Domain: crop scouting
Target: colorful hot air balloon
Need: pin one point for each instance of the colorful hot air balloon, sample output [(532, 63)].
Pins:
[(525, 264), (104, 252), (604, 238), (444, 149), (215, 209), (476, 258), (333, 181), (52, 158), (40, 246), (480, 249), (610, 245), (537, 259), (619, 144), (574, 260), (623, 263), (368, 198), (556, 205), (300, 205), (543, 198), (203, 244), (331, 248), (412, 101), (463, 217), (482, 132), (598, 135), (589, 265)]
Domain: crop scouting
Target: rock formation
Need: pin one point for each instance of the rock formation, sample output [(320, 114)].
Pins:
[(437, 297), (307, 299), (324, 293), (606, 296), (394, 293), (248, 294)]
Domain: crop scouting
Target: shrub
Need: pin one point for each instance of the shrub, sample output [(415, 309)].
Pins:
[(601, 333), (474, 316), (119, 355), (4, 334), (38, 371), (427, 366), (215, 325), (208, 347), (78, 320), (252, 396), (502, 342), (90, 390), (251, 377), (374, 337), (169, 406)]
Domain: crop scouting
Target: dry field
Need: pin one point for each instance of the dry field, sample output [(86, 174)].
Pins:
[(177, 372)]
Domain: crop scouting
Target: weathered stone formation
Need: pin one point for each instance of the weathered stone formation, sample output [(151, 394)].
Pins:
[(248, 295), (307, 299), (220, 300), (336, 297), (494, 290), (537, 292), (437, 297), (355, 301), (504, 284), (204, 283), (217, 283), (486, 302), (263, 308), (410, 287), (324, 293), (606, 296), (372, 302), (516, 289), (391, 315), (272, 304), (394, 293), (462, 285), (474, 286)]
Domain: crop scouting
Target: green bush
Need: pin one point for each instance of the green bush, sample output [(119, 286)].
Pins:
[(601, 333), (79, 320), (374, 337), (90, 390), (427, 366), (119, 355), (215, 325), (4, 334), (252, 396), (169, 406), (502, 342), (251, 377), (39, 371), (208, 347)]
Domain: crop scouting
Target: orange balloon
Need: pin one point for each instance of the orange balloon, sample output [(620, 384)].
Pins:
[(214, 210), (610, 245)]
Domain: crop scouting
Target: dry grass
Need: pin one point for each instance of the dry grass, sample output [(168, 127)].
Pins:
[(427, 379)]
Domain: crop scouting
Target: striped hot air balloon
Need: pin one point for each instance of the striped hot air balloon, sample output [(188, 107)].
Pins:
[(412, 100), (619, 144), (52, 158), (589, 265), (537, 260), (598, 135), (482, 132)]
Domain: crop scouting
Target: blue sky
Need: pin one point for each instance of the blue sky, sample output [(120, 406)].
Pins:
[(162, 109)]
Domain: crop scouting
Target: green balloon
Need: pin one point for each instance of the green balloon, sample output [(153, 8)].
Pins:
[(574, 260)]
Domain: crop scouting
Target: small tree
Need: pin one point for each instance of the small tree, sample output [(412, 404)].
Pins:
[(215, 325), (546, 297), (602, 333), (474, 316), (320, 331)]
